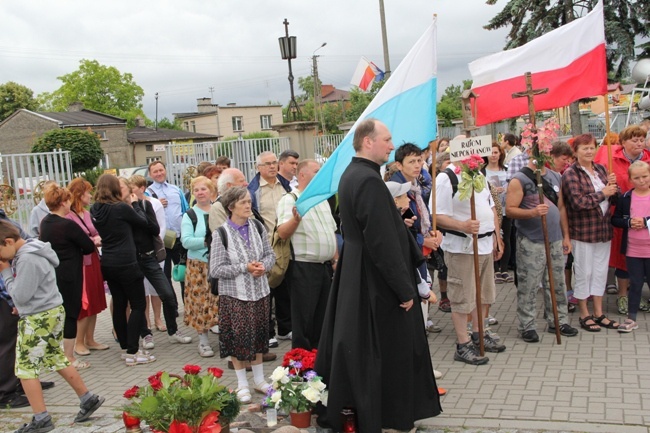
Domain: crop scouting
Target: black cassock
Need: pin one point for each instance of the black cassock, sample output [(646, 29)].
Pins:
[(373, 355)]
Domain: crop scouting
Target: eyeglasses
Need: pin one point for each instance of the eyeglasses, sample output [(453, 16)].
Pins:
[(268, 164)]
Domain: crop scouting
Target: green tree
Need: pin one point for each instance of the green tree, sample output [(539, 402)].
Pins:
[(14, 96), (359, 99), (100, 88), (626, 21), (165, 123), (450, 106), (306, 84), (84, 146)]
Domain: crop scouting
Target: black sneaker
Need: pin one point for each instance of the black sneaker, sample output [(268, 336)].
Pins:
[(489, 344), (89, 408), (566, 330), (530, 336), (14, 401), (41, 426), (468, 353)]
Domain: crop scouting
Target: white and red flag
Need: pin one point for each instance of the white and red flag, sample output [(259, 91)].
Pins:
[(366, 74), (570, 61)]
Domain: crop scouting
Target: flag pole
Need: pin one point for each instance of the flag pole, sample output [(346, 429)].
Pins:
[(433, 145), (610, 165), (530, 93), (468, 126)]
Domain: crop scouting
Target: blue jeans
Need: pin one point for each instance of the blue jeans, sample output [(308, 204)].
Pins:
[(126, 284), (151, 270)]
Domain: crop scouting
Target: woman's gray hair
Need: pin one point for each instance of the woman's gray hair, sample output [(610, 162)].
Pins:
[(231, 196)]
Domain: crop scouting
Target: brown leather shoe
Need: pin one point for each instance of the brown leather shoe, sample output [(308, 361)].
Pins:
[(268, 356)]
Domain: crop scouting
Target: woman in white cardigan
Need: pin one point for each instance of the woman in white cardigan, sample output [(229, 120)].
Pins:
[(243, 289)]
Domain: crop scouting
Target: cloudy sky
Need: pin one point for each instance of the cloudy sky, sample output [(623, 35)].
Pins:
[(181, 49)]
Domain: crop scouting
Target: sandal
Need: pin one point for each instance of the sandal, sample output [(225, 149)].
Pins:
[(262, 388), (84, 352), (611, 324), (80, 365), (571, 308), (628, 325), (612, 289), (98, 346), (591, 327), (445, 305), (244, 395)]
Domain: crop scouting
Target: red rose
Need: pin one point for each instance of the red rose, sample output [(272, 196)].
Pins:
[(216, 372), (192, 369), (155, 383), (179, 427), (131, 392)]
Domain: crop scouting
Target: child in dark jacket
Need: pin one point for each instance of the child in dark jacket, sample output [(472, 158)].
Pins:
[(28, 270)]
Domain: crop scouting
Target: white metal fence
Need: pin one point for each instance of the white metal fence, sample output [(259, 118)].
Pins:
[(181, 157), (24, 173), (325, 145)]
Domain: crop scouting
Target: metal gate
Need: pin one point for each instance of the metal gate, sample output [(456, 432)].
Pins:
[(182, 158), (22, 179)]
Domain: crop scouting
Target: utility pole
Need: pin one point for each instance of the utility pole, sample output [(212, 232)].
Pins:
[(156, 124), (317, 90), (211, 89), (384, 39)]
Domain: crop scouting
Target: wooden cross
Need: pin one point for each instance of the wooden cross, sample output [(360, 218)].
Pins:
[(530, 94)]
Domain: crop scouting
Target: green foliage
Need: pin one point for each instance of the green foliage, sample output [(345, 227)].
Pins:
[(333, 115), (625, 22), (84, 146), (14, 96), (100, 88), (91, 175), (450, 106), (306, 84), (359, 99), (165, 123)]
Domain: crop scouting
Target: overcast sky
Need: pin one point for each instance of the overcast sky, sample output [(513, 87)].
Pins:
[(182, 48)]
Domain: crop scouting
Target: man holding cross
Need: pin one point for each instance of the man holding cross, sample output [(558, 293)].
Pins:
[(523, 206)]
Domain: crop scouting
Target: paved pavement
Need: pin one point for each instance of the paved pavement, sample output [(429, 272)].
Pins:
[(595, 382)]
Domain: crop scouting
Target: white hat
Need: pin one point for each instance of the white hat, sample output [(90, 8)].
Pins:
[(396, 189)]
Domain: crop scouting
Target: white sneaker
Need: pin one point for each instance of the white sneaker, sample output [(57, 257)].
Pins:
[(273, 342), (492, 321), (215, 329), (205, 351), (437, 374), (141, 357), (285, 337), (147, 342), (180, 338)]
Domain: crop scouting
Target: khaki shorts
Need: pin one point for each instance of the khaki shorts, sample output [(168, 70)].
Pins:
[(40, 344), (461, 285)]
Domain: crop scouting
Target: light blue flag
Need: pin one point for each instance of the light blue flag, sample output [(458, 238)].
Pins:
[(406, 105)]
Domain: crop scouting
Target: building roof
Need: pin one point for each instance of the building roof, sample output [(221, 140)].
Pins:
[(142, 134), (329, 93), (84, 117)]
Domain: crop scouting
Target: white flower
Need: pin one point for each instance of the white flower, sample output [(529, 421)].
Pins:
[(317, 385), (279, 373), (285, 380), (311, 394), (276, 396)]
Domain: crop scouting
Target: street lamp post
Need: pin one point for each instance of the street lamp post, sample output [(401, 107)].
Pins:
[(288, 50)]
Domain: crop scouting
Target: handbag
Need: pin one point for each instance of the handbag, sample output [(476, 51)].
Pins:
[(159, 248), (170, 239)]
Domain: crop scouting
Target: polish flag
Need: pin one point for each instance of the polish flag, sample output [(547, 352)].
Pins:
[(406, 104), (365, 74), (570, 61)]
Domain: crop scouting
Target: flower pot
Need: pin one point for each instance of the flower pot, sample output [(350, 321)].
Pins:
[(131, 423), (300, 419)]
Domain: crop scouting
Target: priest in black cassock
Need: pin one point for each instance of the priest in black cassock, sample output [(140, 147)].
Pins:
[(373, 354)]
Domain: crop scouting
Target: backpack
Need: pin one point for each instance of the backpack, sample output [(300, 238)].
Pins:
[(223, 236), (283, 255)]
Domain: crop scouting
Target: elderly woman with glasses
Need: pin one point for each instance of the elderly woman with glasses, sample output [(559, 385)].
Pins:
[(240, 257), (632, 149)]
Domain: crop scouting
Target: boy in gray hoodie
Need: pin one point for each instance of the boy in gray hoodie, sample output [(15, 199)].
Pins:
[(28, 270)]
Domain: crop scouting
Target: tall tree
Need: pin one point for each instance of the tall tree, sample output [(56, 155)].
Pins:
[(14, 96), (627, 22), (100, 88), (450, 106)]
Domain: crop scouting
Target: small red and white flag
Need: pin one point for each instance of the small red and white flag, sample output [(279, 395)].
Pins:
[(570, 61), (366, 74)]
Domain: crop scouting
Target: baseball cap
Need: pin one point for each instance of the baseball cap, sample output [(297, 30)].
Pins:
[(396, 189)]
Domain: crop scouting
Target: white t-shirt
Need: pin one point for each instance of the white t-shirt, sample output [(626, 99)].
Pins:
[(461, 211)]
